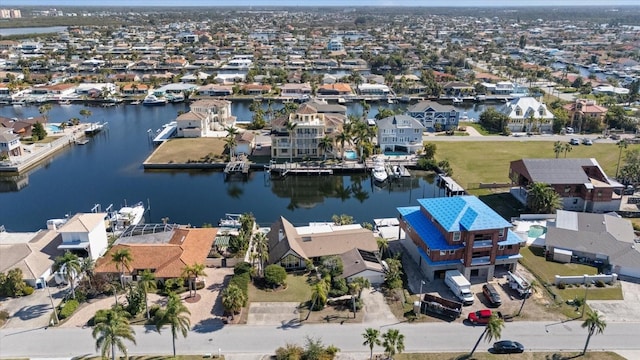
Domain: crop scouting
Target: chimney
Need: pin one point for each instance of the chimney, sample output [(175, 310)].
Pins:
[(280, 235)]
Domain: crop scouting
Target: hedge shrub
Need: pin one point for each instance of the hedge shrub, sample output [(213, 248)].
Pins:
[(69, 308), (242, 282)]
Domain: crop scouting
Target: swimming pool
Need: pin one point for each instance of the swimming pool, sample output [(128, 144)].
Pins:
[(350, 155), (535, 231), (53, 129), (395, 153)]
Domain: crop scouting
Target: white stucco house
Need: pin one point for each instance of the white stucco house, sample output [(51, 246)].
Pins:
[(85, 234), (400, 133), (205, 117), (526, 114)]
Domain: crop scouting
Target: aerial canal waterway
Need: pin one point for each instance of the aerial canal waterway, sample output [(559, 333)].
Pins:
[(108, 170), (31, 30)]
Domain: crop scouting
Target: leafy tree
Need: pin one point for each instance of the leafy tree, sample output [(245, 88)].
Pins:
[(371, 339), (135, 300), (122, 258), (233, 299), (384, 113), (69, 266), (429, 150), (191, 272), (147, 283), (393, 278), (85, 113), (12, 283), (176, 316), (393, 342), (445, 167), (38, 132), (358, 284), (343, 219), (44, 110), (561, 118), (630, 172), (595, 325), (111, 332), (275, 275), (493, 330), (543, 199), (493, 120)]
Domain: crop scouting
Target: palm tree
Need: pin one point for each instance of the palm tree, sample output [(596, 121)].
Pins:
[(371, 339), (319, 294), (69, 265), (230, 142), (595, 325), (291, 126), (85, 113), (358, 284), (44, 110), (110, 333), (383, 245), (567, 148), (233, 299), (543, 199), (175, 314), (191, 272), (622, 144), (343, 138), (122, 258), (393, 342), (557, 148), (147, 282), (325, 145), (87, 267), (531, 289), (261, 246), (493, 330)]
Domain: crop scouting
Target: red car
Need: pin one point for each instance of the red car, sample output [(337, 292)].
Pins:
[(480, 316)]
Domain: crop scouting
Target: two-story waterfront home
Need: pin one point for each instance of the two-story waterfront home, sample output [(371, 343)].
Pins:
[(461, 233), (205, 117), (300, 133), (526, 114), (401, 133), (85, 234), (430, 113), (9, 144), (582, 111), (581, 183)]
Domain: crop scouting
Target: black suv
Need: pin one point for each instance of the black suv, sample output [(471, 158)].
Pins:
[(492, 295)]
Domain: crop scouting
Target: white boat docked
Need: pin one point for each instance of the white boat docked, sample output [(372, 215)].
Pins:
[(457, 101), (152, 100), (127, 216), (230, 221), (379, 171)]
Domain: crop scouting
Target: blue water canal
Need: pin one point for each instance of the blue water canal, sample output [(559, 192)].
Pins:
[(108, 170)]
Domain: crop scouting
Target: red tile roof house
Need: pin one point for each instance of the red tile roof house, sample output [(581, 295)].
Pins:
[(164, 253), (460, 233), (581, 183), (583, 109)]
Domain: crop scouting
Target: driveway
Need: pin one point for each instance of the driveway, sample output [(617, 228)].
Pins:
[(620, 310), (33, 311)]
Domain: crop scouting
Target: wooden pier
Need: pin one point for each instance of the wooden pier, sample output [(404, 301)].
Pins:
[(239, 166)]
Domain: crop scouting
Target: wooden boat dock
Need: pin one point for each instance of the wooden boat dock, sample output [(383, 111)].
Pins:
[(239, 166), (451, 187)]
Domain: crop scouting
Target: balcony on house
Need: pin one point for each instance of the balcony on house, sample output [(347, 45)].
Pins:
[(478, 244)]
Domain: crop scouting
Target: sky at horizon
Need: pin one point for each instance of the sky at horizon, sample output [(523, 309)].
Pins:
[(424, 3)]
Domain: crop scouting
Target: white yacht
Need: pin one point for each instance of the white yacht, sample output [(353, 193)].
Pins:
[(379, 171), (152, 100), (127, 216)]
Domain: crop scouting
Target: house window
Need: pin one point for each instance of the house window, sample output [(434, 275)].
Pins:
[(501, 233), (451, 252), (456, 236), (428, 251), (501, 247), (567, 189), (599, 193), (443, 252)]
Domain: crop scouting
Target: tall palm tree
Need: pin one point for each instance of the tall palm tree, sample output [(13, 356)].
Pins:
[(393, 342), (87, 267), (319, 294), (358, 284), (233, 299), (147, 282), (622, 144), (291, 126), (176, 316), (532, 288), (44, 110), (594, 324), (383, 246), (191, 272), (558, 148), (543, 199), (493, 330), (343, 138), (325, 145), (567, 148), (261, 246), (111, 332), (230, 142), (69, 266), (371, 339), (122, 258)]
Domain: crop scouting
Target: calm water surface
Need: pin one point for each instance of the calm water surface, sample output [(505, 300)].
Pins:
[(32, 30), (108, 170)]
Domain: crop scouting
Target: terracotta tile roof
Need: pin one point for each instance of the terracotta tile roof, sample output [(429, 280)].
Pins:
[(186, 247)]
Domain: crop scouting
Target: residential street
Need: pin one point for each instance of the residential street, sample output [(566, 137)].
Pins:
[(247, 339)]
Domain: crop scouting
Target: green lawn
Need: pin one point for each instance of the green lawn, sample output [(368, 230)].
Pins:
[(488, 162), (479, 128), (480, 355), (155, 357), (298, 290)]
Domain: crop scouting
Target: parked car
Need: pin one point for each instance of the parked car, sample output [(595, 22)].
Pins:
[(569, 130), (507, 347), (482, 316), (574, 141), (615, 137), (492, 295), (587, 141)]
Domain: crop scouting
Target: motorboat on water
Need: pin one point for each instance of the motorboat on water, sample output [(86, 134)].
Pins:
[(230, 221), (152, 100), (127, 216), (457, 101), (379, 170)]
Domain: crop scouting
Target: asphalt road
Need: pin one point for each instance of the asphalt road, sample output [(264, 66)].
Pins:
[(245, 339), (495, 138)]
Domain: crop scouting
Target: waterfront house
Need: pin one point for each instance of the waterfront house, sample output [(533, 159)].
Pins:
[(296, 91), (95, 90), (335, 89), (458, 89), (431, 113), (581, 183), (85, 234), (583, 110), (134, 89), (291, 246), (205, 117), (461, 233), (31, 252), (361, 263), (56, 91), (526, 114), (256, 89), (311, 125), (400, 133), (603, 239), (245, 142), (374, 89), (9, 144), (164, 250), (215, 90)]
